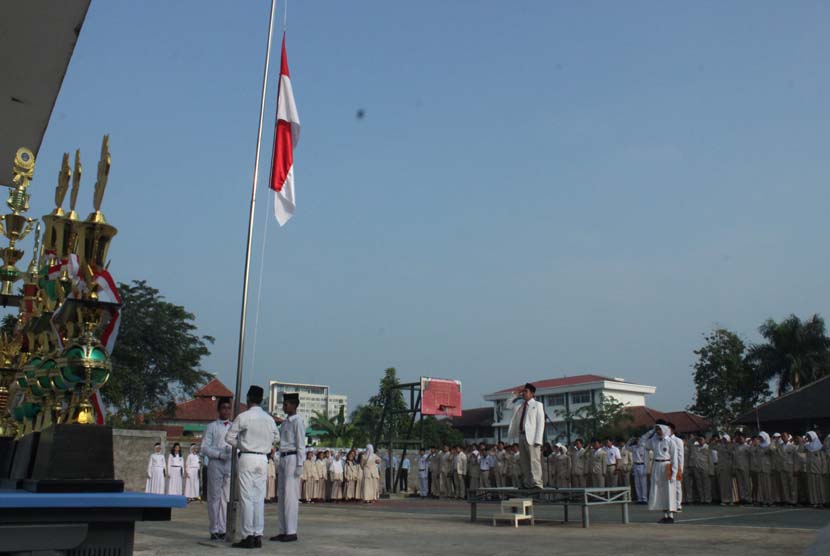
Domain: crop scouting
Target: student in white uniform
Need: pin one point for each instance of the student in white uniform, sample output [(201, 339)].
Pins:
[(292, 453), (253, 433), (681, 455), (664, 474), (175, 470), (155, 471), (528, 425), (192, 468), (218, 453), (336, 477)]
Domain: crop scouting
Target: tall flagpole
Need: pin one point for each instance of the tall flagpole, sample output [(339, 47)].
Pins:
[(231, 517)]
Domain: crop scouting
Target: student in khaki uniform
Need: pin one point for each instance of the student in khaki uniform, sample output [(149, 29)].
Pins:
[(625, 465), (712, 471), (501, 465), (579, 464), (699, 491), (445, 475), (547, 469), (435, 470), (596, 464), (741, 467), (562, 466), (787, 455), (765, 472), (814, 465), (726, 461)]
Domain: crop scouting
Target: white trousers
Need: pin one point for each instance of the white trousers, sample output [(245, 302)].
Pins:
[(641, 482), (218, 494), (253, 478), (678, 486), (423, 484), (288, 495)]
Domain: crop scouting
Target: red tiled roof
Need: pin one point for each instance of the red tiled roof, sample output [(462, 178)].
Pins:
[(684, 422), (214, 389), (199, 409), (561, 382)]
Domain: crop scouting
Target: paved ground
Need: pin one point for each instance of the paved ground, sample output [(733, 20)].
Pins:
[(414, 527)]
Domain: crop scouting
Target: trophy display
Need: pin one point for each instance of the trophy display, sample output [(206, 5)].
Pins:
[(57, 356)]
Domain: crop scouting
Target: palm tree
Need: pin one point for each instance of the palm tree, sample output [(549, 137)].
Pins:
[(337, 430), (795, 354)]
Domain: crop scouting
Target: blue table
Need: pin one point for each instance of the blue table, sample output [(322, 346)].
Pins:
[(90, 521)]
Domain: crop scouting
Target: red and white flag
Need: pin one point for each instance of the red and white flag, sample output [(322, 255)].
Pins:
[(286, 137)]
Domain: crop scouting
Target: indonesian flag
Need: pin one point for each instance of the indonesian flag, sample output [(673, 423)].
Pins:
[(286, 137)]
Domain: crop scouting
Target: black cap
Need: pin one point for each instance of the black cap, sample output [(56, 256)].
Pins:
[(293, 397), (255, 393), (530, 387)]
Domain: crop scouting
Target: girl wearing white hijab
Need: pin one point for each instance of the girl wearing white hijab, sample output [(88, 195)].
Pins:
[(192, 467), (665, 472), (336, 477), (371, 475), (764, 486), (175, 470), (813, 468), (155, 471)]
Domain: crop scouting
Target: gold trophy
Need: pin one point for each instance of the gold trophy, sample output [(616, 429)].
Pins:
[(14, 226)]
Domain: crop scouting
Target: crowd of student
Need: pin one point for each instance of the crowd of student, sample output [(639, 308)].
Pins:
[(763, 470)]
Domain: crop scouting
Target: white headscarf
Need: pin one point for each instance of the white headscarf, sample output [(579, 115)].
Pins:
[(725, 436), (665, 430), (764, 439), (370, 452), (815, 444)]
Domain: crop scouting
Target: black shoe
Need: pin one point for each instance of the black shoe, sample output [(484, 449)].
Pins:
[(669, 520), (220, 536), (258, 541), (214, 536), (279, 537), (288, 538), (247, 542)]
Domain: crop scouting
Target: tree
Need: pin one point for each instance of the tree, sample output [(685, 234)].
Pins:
[(608, 418), (795, 353), (337, 431), (437, 432), (726, 382), (366, 418), (157, 356)]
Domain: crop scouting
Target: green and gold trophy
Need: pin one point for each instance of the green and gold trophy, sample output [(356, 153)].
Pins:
[(58, 356)]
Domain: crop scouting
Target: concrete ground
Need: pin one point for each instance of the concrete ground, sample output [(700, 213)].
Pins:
[(414, 527)]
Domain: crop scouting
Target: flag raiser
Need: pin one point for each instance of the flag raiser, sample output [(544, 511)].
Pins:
[(286, 137)]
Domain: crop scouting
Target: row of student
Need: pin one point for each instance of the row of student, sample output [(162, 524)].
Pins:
[(176, 475)]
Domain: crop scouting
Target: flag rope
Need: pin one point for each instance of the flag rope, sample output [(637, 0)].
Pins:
[(259, 289)]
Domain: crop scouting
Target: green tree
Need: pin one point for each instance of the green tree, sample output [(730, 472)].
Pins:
[(437, 432), (338, 433), (726, 382), (795, 353), (157, 356), (607, 418), (367, 418)]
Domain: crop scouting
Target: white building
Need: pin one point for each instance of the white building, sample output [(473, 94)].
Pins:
[(565, 396), (314, 398)]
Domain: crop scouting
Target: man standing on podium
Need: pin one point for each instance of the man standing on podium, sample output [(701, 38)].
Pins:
[(253, 433), (292, 456), (528, 424)]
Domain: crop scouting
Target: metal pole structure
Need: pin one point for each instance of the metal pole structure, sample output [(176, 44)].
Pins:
[(231, 519)]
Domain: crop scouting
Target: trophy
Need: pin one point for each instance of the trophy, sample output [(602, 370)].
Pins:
[(14, 226)]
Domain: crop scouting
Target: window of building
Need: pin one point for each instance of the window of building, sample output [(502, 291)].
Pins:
[(556, 399), (581, 397)]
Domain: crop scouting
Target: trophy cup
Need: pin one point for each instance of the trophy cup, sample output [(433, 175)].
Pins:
[(14, 226)]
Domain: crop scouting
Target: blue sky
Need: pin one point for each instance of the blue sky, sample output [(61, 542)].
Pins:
[(537, 188)]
